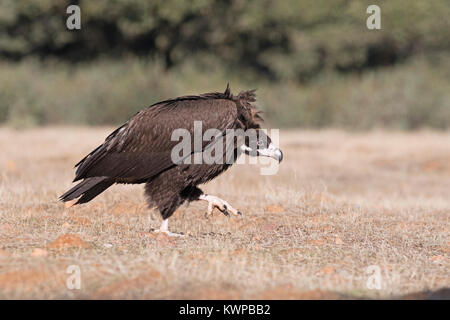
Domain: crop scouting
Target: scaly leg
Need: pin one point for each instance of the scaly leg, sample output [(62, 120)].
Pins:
[(165, 229), (222, 205)]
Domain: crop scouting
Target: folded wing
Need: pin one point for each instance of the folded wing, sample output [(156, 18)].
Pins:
[(141, 148)]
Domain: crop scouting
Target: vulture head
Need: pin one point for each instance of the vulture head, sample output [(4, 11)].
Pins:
[(258, 144)]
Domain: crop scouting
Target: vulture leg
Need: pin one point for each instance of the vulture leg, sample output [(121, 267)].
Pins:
[(222, 205), (165, 229)]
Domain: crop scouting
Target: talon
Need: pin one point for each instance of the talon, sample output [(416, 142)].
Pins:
[(170, 234), (222, 205), (225, 210)]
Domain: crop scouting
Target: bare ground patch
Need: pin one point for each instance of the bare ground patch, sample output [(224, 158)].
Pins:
[(339, 204)]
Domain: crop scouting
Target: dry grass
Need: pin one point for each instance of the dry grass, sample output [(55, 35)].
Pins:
[(340, 203)]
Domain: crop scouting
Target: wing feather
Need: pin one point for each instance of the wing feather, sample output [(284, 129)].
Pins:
[(141, 148)]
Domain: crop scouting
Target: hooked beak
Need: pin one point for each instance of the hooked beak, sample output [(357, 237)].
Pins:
[(272, 151)]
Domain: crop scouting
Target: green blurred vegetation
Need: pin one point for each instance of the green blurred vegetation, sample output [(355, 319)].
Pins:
[(409, 96), (314, 62)]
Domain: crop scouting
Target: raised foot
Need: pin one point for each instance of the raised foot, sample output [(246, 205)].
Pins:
[(222, 205)]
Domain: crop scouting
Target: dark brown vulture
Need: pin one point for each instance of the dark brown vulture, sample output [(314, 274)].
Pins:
[(140, 151)]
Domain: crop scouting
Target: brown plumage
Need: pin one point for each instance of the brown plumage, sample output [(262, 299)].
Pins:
[(140, 150)]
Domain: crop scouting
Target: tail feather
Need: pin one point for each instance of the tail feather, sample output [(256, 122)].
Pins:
[(88, 189)]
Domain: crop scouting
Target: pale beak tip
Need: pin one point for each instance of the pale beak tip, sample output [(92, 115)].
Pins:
[(280, 158), (279, 155)]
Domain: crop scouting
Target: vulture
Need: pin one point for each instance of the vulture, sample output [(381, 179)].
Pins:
[(142, 151)]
